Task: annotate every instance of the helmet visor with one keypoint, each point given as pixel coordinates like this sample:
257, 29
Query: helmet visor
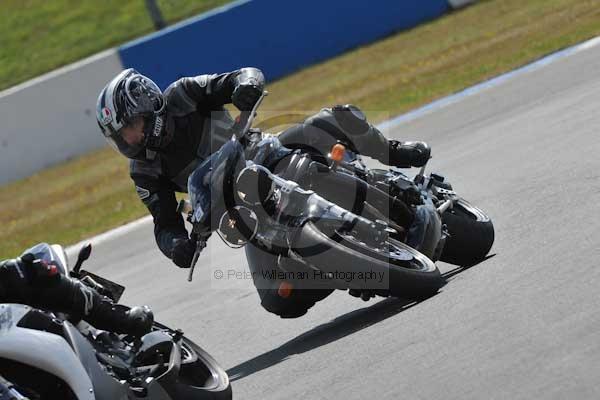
134, 145
119, 144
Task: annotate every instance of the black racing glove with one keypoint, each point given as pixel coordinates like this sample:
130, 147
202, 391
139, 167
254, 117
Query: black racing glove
249, 85
182, 252
139, 321
408, 154
245, 97
102, 313
421, 153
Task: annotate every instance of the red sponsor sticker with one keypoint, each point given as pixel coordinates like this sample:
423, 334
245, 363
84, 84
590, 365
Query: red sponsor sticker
106, 116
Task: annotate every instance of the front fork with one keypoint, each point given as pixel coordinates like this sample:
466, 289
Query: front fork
430, 187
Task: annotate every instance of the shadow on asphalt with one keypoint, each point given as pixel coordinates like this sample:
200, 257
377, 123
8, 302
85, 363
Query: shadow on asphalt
452, 273
338, 328
323, 334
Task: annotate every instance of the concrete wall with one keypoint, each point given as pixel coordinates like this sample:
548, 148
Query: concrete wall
460, 3
277, 36
52, 118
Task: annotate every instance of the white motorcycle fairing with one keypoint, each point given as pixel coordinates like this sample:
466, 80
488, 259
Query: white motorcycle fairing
42, 350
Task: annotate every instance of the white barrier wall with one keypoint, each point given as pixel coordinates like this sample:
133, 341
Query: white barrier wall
460, 3
51, 119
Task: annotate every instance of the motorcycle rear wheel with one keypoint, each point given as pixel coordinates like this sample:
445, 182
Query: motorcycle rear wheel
471, 235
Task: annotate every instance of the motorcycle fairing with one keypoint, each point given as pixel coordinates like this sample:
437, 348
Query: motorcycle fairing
52, 254
210, 185
42, 350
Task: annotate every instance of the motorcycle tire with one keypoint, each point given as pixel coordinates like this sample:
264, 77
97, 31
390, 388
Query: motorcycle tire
200, 376
410, 274
471, 235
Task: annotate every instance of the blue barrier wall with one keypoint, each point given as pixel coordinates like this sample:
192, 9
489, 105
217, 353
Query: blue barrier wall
277, 36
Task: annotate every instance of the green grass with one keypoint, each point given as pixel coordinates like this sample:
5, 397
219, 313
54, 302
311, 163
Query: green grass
37, 36
93, 193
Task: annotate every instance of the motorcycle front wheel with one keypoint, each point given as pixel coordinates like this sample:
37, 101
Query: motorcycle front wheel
406, 272
200, 376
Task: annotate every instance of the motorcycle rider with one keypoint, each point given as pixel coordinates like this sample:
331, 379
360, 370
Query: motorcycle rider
34, 282
166, 136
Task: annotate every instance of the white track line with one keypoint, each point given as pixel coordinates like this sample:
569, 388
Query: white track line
483, 86
394, 122
111, 234
58, 72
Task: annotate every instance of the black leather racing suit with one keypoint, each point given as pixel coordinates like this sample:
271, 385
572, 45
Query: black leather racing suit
33, 282
199, 126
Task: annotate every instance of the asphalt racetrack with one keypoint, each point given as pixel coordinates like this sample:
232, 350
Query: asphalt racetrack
524, 324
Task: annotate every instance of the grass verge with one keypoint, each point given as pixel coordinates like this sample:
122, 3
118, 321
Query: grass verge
92, 194
38, 35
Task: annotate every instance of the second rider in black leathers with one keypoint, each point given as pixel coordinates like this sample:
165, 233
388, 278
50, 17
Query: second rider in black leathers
167, 135
33, 282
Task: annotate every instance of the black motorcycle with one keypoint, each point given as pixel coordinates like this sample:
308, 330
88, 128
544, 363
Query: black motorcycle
329, 220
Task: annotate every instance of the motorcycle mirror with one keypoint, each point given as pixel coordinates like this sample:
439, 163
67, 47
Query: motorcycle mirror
83, 255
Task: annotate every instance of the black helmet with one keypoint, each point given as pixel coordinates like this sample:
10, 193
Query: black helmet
128, 96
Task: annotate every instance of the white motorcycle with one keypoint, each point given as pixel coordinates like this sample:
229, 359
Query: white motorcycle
43, 355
